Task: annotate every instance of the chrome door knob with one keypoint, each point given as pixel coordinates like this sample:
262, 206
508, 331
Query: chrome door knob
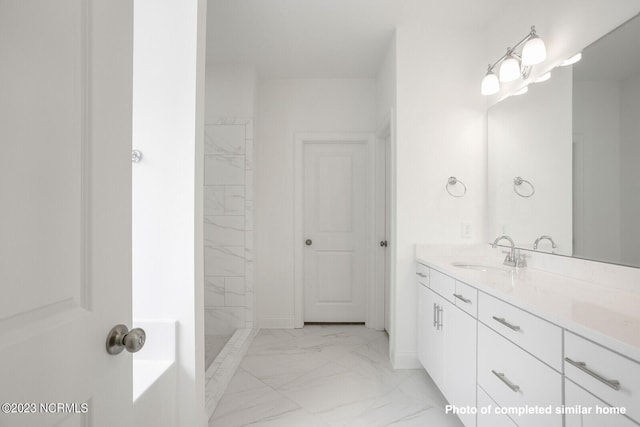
120, 337
308, 242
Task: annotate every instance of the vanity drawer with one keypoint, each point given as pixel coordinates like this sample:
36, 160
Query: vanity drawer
492, 418
537, 336
583, 401
596, 368
443, 285
466, 298
515, 379
422, 274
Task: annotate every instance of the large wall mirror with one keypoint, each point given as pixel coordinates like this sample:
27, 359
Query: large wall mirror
564, 158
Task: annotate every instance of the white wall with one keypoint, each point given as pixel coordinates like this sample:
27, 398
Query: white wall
630, 155
566, 28
530, 136
285, 107
230, 92
168, 111
386, 85
440, 133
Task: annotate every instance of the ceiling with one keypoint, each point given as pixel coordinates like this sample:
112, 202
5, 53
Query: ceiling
613, 57
326, 38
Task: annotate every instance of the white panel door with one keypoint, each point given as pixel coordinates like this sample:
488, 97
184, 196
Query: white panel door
335, 225
65, 211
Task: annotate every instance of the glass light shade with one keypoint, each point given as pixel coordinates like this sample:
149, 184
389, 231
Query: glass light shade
533, 52
575, 58
509, 70
490, 84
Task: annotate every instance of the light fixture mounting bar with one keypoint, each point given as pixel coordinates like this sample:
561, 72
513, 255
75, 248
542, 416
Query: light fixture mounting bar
512, 50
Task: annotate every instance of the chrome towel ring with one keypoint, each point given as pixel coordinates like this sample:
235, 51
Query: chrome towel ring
451, 182
517, 182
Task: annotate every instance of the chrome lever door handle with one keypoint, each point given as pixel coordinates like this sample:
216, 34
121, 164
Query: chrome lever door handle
120, 338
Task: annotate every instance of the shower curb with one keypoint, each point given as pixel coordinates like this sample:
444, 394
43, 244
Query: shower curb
219, 373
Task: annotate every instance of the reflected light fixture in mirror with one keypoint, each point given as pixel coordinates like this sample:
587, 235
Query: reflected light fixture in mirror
522, 91
543, 78
575, 58
514, 65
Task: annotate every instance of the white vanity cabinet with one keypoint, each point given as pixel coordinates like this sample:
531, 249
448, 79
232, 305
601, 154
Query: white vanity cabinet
447, 342
486, 350
514, 378
460, 360
430, 337
611, 377
489, 417
581, 409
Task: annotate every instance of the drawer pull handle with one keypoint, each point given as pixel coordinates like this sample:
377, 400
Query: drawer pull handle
614, 384
421, 274
435, 314
462, 298
505, 323
504, 379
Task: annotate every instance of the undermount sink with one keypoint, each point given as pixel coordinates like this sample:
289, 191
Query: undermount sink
480, 267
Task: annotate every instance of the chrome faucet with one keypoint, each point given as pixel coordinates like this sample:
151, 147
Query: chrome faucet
544, 237
513, 257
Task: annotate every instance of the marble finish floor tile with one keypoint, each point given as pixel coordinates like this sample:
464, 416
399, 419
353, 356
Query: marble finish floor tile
328, 376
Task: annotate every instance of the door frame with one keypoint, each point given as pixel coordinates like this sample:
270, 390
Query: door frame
372, 318
383, 222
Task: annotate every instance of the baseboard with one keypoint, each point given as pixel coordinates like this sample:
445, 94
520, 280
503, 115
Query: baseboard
405, 361
276, 322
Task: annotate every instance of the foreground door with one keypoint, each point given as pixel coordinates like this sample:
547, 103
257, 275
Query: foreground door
335, 223
65, 211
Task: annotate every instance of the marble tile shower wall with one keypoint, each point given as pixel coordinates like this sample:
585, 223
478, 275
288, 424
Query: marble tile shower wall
228, 226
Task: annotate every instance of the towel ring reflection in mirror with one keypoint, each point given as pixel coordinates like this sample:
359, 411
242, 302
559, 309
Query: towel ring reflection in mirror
451, 182
136, 156
517, 182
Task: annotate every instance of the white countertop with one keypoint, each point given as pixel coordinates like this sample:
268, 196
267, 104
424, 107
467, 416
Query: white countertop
608, 314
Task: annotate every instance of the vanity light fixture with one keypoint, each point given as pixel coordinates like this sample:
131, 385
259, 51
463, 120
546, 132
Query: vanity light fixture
510, 69
570, 61
514, 65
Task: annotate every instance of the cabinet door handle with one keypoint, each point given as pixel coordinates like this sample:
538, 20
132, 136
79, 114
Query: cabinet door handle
435, 315
504, 379
462, 298
440, 310
420, 274
614, 384
505, 323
